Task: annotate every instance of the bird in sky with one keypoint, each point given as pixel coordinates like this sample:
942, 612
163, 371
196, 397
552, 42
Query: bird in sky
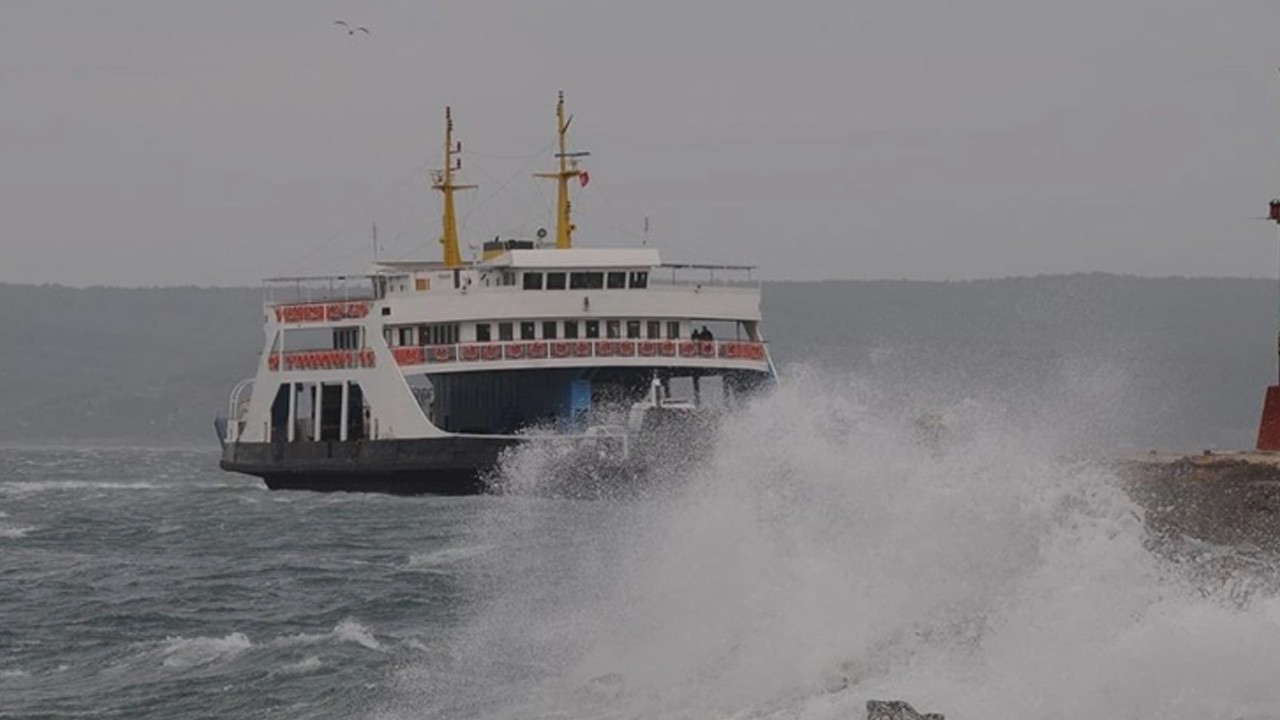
351, 30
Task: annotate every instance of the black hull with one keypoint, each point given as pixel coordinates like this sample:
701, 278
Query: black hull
435, 466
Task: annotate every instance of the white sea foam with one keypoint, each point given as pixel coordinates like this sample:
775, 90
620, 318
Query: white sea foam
13, 532
348, 630
180, 652
826, 556
14, 674
351, 631
305, 666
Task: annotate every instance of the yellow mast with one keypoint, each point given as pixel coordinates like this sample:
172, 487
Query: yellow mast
443, 181
568, 169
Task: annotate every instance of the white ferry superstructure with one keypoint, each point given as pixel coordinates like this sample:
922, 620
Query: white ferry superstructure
415, 376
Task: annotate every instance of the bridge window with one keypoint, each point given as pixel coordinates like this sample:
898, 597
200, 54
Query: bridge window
653, 331
570, 329
586, 280
673, 330
483, 333
593, 329
555, 281
633, 329
406, 336
617, 280
504, 332
613, 329
533, 281
639, 280
527, 331
549, 330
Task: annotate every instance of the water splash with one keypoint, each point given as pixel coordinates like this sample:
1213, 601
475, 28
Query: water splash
823, 555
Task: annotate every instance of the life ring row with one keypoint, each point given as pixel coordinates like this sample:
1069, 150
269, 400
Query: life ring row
322, 312
742, 351
321, 360
565, 349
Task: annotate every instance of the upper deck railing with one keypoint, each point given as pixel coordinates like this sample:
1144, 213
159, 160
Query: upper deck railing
318, 289
685, 274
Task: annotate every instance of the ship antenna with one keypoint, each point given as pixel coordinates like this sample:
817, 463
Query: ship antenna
443, 181
568, 169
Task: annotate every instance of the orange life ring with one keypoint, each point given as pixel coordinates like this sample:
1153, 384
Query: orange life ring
648, 348
470, 353
604, 348
560, 349
537, 350
515, 351
491, 352
625, 348
582, 348
668, 348
688, 349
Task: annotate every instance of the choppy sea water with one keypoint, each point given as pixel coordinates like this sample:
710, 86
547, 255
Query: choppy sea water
821, 557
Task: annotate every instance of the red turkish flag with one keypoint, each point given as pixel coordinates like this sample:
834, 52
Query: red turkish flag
584, 178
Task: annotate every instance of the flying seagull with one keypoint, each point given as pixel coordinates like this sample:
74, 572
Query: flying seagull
350, 30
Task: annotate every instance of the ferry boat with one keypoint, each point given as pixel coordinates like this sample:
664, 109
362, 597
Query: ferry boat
416, 376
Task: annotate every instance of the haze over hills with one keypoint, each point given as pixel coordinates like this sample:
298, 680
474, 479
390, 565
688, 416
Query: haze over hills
1168, 362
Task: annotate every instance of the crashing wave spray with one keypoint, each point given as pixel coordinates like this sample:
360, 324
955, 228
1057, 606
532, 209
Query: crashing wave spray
822, 556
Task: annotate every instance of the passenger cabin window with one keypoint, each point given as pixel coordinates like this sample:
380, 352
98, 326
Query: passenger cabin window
482, 332
508, 277
586, 280
504, 332
439, 334
570, 329
549, 330
613, 329
673, 330
406, 336
593, 329
555, 281
639, 280
653, 330
533, 281
633, 329
527, 331
617, 280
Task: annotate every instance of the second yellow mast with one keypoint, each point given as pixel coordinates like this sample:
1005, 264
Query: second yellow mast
568, 169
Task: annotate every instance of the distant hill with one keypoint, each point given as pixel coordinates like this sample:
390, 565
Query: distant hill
1170, 362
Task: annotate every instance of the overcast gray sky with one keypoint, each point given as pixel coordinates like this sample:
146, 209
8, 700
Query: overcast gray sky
172, 142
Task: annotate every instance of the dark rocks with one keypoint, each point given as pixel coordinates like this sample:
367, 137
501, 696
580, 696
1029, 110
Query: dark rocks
896, 710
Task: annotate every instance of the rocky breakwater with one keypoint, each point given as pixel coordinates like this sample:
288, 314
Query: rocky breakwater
1226, 498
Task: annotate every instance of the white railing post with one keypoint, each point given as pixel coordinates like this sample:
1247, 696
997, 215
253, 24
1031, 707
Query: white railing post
346, 404
291, 432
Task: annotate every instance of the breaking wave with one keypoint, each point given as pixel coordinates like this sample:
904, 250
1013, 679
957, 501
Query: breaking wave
831, 549
180, 652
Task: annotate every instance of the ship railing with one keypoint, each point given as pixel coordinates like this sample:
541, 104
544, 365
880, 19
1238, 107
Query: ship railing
520, 350
690, 274
318, 289
568, 350
238, 408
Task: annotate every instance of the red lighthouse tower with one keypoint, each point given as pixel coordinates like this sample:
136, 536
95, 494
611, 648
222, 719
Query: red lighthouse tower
1269, 428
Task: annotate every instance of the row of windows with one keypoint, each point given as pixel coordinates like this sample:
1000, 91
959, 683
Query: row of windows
574, 329
589, 280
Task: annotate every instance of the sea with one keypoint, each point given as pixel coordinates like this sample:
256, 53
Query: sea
822, 554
